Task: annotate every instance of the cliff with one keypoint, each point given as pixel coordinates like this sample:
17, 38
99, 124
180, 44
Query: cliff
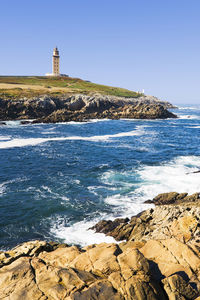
80, 107
58, 99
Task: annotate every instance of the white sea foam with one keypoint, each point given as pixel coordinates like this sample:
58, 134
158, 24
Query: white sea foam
129, 195
127, 206
73, 123
13, 123
35, 141
103, 165
17, 123
22, 142
79, 234
186, 117
5, 184
98, 120
5, 138
45, 191
127, 119
84, 122
76, 181
95, 189
2, 188
173, 176
64, 199
48, 132
46, 188
189, 107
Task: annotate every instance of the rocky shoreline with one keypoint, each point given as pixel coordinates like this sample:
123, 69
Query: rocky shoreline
46, 109
158, 258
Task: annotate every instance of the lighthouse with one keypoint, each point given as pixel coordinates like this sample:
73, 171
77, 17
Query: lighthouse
55, 63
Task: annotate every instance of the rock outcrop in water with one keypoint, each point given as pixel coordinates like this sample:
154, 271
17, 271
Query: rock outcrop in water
81, 107
179, 220
160, 260
175, 198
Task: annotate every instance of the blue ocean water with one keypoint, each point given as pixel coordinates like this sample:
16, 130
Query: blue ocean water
57, 180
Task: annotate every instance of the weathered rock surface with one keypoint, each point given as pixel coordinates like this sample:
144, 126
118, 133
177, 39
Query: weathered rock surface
176, 288
140, 111
175, 198
156, 269
81, 107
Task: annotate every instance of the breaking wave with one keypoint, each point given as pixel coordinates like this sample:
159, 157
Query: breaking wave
19, 142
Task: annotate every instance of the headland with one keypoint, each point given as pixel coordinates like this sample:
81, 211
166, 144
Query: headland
63, 99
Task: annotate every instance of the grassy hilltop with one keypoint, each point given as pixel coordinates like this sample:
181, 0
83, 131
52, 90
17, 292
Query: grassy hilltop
29, 86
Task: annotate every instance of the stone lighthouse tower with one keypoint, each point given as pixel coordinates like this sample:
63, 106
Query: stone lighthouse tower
56, 64
56, 58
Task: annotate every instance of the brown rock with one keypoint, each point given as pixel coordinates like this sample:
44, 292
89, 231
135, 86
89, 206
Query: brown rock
132, 270
132, 262
162, 222
102, 290
177, 288
26, 249
131, 245
100, 259
61, 257
59, 282
171, 256
192, 198
175, 198
17, 281
166, 198
108, 226
81, 107
184, 228
143, 289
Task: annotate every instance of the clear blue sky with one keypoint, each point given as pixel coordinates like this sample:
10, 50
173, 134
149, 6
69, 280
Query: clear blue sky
135, 44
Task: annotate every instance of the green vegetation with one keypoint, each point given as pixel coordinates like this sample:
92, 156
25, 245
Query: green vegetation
21, 93
37, 85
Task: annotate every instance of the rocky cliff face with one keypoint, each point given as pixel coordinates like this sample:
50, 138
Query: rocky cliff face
160, 260
81, 107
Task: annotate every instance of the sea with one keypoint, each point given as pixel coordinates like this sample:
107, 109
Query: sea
58, 180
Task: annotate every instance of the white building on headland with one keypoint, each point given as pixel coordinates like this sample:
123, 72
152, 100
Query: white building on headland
55, 64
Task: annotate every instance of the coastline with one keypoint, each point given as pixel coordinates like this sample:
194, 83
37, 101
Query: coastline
79, 108
159, 260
